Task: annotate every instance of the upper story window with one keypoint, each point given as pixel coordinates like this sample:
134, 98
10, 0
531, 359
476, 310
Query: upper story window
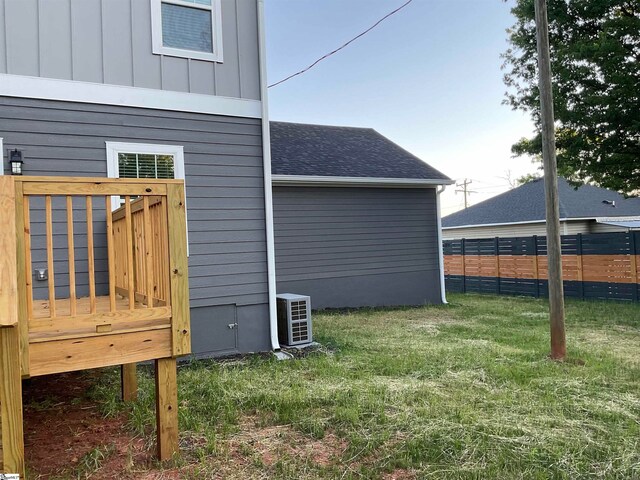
187, 28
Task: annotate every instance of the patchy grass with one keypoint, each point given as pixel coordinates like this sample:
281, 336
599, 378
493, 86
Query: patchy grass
462, 391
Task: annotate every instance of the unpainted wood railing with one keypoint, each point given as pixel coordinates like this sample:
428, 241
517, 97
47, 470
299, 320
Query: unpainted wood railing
115, 295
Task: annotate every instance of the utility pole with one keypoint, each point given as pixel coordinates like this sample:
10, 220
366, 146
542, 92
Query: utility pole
464, 189
554, 252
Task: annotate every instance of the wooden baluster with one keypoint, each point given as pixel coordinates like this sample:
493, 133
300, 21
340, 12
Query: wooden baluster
130, 278
27, 257
51, 281
73, 303
148, 247
91, 255
110, 255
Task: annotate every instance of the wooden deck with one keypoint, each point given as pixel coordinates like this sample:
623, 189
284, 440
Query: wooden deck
145, 315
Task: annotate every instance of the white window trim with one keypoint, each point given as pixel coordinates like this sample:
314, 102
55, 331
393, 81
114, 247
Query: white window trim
113, 166
216, 27
1, 156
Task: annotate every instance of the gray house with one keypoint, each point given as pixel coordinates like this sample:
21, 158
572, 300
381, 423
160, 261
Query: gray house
177, 89
521, 213
356, 218
154, 88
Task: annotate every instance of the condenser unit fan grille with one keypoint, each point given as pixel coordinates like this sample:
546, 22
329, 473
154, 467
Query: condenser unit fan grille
299, 310
300, 331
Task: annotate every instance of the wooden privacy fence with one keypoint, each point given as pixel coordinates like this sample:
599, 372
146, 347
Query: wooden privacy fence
113, 289
594, 266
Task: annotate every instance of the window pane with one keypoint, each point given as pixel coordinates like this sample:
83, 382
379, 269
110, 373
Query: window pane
127, 165
146, 166
165, 166
186, 28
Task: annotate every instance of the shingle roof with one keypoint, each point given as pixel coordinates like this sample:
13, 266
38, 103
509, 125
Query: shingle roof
322, 150
526, 204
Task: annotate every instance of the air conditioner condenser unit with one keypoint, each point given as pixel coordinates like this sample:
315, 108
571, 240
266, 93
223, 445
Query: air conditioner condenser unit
294, 319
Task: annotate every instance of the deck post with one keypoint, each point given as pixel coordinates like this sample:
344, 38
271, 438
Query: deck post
10, 372
11, 402
129, 377
166, 408
179, 275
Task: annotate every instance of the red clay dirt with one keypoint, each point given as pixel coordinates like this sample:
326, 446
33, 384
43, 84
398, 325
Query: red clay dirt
62, 425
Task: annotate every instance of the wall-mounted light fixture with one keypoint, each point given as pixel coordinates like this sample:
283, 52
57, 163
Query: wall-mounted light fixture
41, 274
15, 161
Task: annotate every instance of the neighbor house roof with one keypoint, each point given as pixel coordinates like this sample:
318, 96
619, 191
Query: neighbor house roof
304, 151
526, 204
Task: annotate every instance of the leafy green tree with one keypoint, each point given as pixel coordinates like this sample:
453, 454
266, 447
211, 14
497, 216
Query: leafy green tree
529, 177
595, 54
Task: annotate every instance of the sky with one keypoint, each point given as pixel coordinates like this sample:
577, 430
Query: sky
428, 78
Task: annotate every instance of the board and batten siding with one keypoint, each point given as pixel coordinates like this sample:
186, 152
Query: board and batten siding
225, 203
357, 246
109, 42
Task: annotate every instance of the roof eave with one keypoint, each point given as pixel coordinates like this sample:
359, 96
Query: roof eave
327, 181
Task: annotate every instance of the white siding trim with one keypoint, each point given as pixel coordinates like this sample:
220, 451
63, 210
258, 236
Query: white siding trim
216, 24
96, 93
268, 192
1, 156
307, 180
443, 292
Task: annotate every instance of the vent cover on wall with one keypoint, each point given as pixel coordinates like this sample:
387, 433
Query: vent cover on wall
294, 319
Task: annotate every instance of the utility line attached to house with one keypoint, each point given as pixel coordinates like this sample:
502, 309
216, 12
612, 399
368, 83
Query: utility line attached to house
343, 46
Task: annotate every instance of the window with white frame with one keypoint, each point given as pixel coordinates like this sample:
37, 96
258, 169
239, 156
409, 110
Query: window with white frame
145, 160
187, 28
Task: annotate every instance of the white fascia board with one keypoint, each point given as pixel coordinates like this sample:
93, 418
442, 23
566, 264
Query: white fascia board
268, 194
96, 93
308, 180
516, 223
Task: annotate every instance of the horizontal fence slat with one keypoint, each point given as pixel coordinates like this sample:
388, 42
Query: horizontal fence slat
595, 266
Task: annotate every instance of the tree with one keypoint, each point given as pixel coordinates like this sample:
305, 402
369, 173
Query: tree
529, 177
595, 52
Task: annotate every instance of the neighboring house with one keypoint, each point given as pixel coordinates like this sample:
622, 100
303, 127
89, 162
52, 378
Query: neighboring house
154, 88
356, 218
521, 212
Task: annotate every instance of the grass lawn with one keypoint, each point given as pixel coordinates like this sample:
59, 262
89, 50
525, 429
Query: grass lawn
462, 391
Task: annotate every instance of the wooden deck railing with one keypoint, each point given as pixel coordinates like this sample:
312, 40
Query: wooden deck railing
147, 257
90, 315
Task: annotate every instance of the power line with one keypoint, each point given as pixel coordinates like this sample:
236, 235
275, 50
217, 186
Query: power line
343, 46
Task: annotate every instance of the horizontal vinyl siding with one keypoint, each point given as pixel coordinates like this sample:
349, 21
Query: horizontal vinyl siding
224, 178
109, 41
595, 227
522, 230
325, 235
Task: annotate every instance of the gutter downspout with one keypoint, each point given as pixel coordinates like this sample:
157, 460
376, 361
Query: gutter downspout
268, 194
443, 294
